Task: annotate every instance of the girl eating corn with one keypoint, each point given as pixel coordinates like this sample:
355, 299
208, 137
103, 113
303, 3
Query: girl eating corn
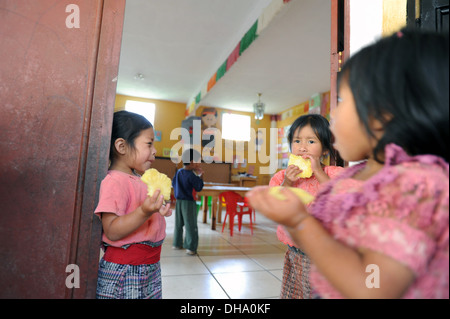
133, 222
381, 228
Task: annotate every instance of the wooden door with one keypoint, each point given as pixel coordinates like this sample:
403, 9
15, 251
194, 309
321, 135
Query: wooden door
58, 70
428, 14
340, 43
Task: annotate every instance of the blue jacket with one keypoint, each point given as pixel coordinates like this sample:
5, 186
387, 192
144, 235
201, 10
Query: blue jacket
184, 182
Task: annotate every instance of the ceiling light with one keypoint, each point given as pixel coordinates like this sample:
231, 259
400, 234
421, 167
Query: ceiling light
258, 108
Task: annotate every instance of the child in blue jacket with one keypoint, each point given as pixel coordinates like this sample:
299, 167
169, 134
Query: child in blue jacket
185, 181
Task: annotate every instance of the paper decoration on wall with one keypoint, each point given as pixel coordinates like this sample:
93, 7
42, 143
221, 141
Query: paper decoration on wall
166, 152
286, 130
268, 14
158, 136
190, 108
236, 161
284, 146
233, 56
314, 110
259, 140
209, 129
249, 37
286, 114
325, 107
188, 124
300, 109
212, 81
315, 104
221, 71
280, 132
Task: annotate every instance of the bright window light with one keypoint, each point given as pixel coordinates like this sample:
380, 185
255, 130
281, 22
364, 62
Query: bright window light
143, 108
236, 127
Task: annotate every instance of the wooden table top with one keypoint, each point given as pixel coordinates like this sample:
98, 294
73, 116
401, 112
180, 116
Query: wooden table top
223, 188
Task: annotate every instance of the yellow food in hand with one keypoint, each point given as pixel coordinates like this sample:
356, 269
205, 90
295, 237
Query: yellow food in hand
156, 180
303, 163
304, 195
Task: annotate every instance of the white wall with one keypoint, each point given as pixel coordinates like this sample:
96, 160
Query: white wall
366, 23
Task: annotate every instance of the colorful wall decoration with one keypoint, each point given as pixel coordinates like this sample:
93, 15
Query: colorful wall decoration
260, 24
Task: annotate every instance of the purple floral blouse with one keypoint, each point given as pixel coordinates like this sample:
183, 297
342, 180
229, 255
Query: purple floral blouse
401, 212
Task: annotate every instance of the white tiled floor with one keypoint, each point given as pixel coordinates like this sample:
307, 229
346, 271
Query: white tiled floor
239, 267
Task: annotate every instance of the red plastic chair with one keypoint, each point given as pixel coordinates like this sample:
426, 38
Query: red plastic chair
235, 206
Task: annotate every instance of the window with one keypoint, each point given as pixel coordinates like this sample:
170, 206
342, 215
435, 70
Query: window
236, 127
143, 108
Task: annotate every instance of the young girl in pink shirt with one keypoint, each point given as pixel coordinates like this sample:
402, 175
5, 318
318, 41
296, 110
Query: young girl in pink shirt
380, 229
133, 223
309, 137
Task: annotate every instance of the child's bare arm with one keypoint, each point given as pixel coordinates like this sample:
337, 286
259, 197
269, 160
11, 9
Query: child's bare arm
346, 268
343, 266
117, 227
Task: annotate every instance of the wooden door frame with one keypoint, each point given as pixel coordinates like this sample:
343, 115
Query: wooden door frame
60, 78
337, 58
86, 235
340, 10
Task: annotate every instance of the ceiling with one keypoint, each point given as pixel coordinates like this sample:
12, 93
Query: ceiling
177, 45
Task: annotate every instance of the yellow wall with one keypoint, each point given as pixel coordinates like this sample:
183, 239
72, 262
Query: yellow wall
394, 16
248, 146
168, 116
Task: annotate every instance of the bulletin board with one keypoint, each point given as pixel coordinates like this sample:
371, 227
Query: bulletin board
217, 172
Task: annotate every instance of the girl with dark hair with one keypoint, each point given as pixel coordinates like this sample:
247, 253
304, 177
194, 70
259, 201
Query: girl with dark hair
381, 228
309, 137
133, 223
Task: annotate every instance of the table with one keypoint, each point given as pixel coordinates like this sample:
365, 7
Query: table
214, 192
244, 181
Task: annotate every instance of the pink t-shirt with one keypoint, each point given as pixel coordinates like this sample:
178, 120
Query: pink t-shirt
121, 194
401, 212
311, 185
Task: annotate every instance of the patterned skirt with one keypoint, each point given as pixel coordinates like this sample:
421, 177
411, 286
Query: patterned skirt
296, 268
116, 281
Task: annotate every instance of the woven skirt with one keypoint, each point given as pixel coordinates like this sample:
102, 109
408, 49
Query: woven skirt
116, 281
296, 268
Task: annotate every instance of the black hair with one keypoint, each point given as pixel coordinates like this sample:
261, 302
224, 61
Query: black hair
190, 155
321, 128
403, 81
127, 125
